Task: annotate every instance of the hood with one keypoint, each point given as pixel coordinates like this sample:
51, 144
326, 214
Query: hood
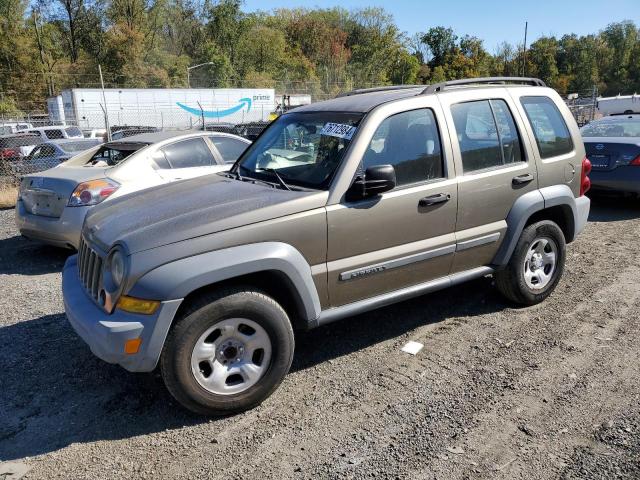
186, 209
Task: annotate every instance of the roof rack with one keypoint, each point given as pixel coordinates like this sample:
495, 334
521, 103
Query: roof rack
378, 89
439, 87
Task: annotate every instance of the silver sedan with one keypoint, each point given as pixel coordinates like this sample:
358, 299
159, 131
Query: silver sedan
52, 204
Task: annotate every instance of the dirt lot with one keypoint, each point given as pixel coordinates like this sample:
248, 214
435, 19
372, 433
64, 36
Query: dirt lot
551, 391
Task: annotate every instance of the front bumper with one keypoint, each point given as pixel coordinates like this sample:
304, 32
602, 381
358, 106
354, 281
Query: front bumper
621, 179
106, 334
60, 232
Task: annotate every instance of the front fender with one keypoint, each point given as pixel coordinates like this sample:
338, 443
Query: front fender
179, 278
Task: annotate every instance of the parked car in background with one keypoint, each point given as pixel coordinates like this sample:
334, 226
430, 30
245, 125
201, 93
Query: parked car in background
57, 132
51, 154
14, 127
13, 149
52, 204
613, 146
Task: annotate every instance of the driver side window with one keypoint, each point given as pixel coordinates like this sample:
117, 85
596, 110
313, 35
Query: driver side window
409, 141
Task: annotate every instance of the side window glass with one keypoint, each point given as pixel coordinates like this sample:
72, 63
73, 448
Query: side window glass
477, 135
507, 132
410, 142
160, 160
188, 153
551, 132
229, 148
487, 134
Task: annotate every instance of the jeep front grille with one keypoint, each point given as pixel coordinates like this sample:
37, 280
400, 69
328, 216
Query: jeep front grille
89, 269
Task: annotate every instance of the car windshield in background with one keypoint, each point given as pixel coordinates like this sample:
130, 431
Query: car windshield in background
303, 149
75, 147
113, 155
612, 128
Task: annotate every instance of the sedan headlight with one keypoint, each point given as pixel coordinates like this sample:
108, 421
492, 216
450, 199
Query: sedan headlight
92, 192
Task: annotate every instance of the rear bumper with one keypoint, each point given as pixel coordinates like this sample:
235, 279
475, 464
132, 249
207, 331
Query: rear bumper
583, 205
620, 179
61, 232
106, 334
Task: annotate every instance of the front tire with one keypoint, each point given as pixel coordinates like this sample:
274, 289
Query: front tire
227, 352
536, 265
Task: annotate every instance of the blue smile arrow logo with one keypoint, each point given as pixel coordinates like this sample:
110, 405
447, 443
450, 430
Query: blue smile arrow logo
218, 113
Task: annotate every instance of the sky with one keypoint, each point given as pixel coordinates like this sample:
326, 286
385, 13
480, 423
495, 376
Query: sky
493, 21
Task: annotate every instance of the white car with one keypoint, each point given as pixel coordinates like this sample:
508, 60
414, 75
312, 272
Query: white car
52, 204
14, 127
57, 132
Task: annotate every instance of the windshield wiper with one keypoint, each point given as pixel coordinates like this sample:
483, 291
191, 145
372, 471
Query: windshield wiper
275, 174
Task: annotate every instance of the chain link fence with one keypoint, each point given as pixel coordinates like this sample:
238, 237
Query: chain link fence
583, 105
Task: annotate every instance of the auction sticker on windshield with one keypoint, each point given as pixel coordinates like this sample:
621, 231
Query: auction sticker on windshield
339, 130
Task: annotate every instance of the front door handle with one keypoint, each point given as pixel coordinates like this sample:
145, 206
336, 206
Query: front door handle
434, 199
522, 179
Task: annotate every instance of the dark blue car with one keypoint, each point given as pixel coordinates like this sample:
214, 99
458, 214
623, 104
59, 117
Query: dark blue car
613, 147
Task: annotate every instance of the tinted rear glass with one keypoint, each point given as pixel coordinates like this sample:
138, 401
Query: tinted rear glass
612, 128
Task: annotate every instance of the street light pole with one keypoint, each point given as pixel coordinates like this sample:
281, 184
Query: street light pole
191, 68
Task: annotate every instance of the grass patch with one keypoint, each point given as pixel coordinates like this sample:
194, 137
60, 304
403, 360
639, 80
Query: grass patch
8, 196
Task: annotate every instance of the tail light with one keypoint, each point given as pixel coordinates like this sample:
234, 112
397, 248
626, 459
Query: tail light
585, 183
92, 192
9, 152
635, 162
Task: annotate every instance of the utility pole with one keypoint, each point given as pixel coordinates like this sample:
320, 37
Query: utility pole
524, 51
106, 110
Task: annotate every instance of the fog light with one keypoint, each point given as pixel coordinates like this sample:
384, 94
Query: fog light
137, 305
132, 346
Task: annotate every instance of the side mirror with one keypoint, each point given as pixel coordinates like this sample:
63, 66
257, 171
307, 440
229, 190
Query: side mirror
377, 179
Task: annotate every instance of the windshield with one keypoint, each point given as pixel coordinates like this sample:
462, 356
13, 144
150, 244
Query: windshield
612, 128
304, 149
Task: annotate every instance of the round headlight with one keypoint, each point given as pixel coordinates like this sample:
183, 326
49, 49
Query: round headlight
116, 267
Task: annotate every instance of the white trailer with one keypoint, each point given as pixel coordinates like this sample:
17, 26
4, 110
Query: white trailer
55, 110
619, 104
166, 107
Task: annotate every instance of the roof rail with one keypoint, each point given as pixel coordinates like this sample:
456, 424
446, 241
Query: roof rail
439, 87
378, 89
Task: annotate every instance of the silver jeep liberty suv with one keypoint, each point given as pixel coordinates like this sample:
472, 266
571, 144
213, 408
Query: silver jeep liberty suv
339, 207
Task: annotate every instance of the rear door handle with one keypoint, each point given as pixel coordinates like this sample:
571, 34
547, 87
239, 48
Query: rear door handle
434, 199
522, 179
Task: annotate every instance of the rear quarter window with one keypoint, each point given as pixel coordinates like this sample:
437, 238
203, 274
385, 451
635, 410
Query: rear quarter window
549, 128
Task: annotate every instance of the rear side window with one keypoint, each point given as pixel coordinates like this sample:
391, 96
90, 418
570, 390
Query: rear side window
54, 134
487, 134
229, 148
549, 128
410, 142
188, 154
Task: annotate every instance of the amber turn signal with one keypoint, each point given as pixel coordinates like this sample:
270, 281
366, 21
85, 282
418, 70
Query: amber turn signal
132, 346
137, 305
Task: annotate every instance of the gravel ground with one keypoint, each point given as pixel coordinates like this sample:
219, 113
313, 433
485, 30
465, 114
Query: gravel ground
551, 391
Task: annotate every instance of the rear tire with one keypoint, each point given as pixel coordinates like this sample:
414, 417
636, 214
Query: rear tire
536, 264
227, 352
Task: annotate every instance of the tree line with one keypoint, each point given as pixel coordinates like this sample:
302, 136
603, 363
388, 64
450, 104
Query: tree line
50, 45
